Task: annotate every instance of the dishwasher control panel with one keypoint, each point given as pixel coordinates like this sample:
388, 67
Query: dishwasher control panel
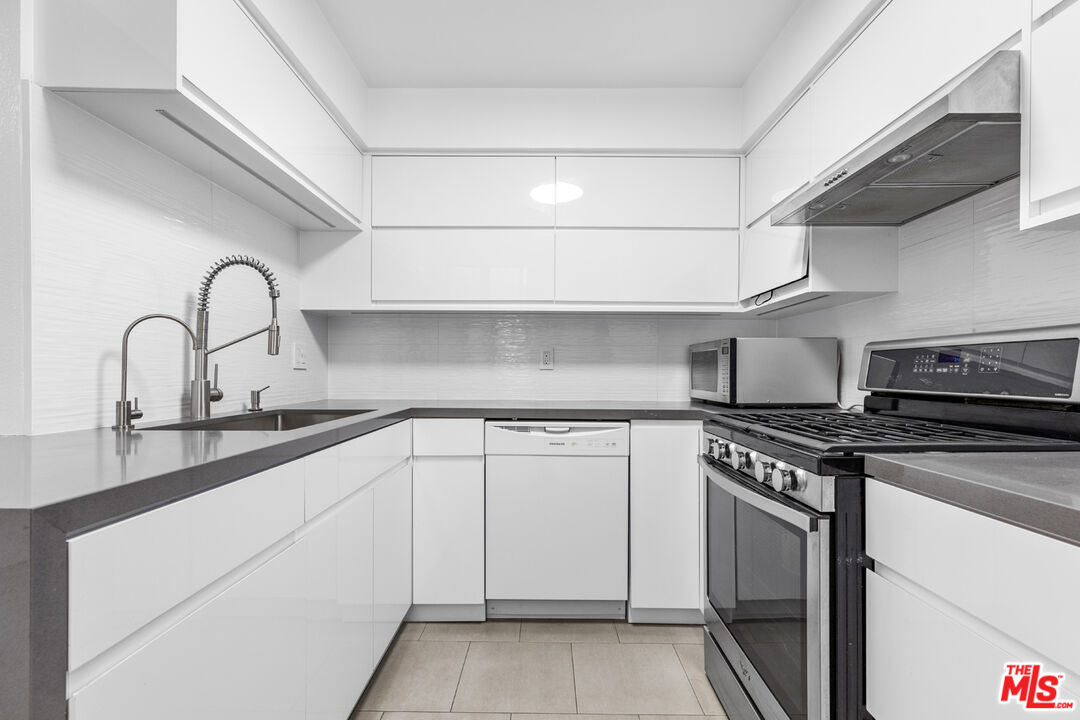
518, 437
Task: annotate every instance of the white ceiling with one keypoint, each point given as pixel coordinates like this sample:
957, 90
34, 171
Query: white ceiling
557, 43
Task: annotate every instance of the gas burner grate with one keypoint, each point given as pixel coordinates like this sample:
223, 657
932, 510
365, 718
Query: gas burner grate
839, 431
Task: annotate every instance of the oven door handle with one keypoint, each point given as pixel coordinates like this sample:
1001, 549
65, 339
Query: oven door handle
806, 523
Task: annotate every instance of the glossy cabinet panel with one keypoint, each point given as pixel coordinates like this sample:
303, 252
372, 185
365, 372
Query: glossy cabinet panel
650, 192
879, 77
457, 191
335, 473
440, 436
242, 655
392, 575
779, 164
770, 257
452, 265
339, 553
126, 574
1052, 177
647, 266
665, 515
448, 530
960, 555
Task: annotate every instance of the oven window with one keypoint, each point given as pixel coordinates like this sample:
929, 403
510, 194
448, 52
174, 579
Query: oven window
757, 584
703, 370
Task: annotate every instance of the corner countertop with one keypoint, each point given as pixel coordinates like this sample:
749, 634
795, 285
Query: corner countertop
84, 479
1034, 491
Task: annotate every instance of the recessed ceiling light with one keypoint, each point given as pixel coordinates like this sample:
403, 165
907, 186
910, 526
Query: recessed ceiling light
552, 193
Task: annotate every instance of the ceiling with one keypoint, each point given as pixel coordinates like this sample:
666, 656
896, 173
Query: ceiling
557, 43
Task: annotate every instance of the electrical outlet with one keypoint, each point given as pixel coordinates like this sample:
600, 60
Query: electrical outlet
299, 357
547, 359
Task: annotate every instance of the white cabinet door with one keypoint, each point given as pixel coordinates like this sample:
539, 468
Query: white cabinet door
476, 264
958, 555
650, 192
228, 59
647, 266
909, 52
665, 519
770, 257
780, 164
242, 655
923, 663
1054, 102
126, 574
448, 529
416, 191
340, 620
393, 555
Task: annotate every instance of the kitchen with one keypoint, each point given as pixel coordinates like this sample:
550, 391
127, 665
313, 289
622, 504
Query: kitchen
397, 185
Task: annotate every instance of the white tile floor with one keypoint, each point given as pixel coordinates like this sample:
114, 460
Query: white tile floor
542, 670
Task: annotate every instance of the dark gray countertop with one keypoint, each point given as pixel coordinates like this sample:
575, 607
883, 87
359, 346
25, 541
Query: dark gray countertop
1036, 491
85, 478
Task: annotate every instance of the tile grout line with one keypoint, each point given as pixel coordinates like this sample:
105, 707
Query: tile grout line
573, 677
461, 672
688, 678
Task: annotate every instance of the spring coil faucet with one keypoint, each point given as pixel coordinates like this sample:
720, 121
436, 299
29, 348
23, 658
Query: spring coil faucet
203, 392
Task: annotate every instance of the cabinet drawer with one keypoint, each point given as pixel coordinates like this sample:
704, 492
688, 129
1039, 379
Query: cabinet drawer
476, 264
650, 192
125, 575
448, 437
336, 472
227, 58
652, 266
921, 663
1020, 582
460, 191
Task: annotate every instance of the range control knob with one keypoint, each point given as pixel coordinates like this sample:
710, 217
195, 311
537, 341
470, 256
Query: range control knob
713, 449
762, 468
785, 478
739, 459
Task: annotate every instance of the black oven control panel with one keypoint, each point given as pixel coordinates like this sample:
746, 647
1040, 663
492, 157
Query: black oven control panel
1042, 368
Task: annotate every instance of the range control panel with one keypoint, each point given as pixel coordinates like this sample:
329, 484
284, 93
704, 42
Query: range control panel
1040, 368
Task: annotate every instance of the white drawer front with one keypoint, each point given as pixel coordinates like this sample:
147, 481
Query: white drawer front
335, 473
1020, 582
448, 437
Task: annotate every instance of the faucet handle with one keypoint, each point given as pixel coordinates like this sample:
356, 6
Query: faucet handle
215, 392
135, 412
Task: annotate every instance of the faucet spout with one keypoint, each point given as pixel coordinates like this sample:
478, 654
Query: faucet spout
125, 414
202, 392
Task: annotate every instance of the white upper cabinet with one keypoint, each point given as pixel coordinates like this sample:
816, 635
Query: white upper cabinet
779, 164
202, 82
416, 191
1051, 185
771, 257
647, 266
647, 192
910, 50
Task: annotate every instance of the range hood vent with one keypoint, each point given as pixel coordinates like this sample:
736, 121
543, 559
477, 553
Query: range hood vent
966, 142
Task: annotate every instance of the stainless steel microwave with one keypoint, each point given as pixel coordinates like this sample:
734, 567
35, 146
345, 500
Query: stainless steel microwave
765, 371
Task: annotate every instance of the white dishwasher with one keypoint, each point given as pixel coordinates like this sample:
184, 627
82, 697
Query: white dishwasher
557, 520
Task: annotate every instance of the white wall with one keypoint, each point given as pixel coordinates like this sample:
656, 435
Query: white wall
14, 229
814, 34
118, 231
554, 119
965, 268
497, 355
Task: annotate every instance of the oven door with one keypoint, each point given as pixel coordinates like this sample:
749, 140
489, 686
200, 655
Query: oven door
768, 594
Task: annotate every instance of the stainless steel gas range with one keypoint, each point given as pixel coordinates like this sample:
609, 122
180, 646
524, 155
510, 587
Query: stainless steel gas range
785, 568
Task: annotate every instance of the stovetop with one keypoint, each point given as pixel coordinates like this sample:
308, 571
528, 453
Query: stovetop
831, 432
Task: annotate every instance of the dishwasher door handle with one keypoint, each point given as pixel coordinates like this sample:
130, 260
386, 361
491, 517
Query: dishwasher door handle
557, 430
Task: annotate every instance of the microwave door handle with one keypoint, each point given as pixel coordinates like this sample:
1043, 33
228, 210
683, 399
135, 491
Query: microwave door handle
804, 522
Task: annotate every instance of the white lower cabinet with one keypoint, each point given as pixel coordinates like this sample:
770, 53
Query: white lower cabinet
340, 618
665, 522
239, 656
448, 519
393, 556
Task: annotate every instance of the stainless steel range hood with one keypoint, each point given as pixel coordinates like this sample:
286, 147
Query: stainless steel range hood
964, 143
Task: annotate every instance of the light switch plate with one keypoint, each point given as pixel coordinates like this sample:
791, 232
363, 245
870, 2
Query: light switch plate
299, 357
547, 359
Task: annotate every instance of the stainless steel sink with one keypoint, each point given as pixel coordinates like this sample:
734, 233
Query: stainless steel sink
272, 420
